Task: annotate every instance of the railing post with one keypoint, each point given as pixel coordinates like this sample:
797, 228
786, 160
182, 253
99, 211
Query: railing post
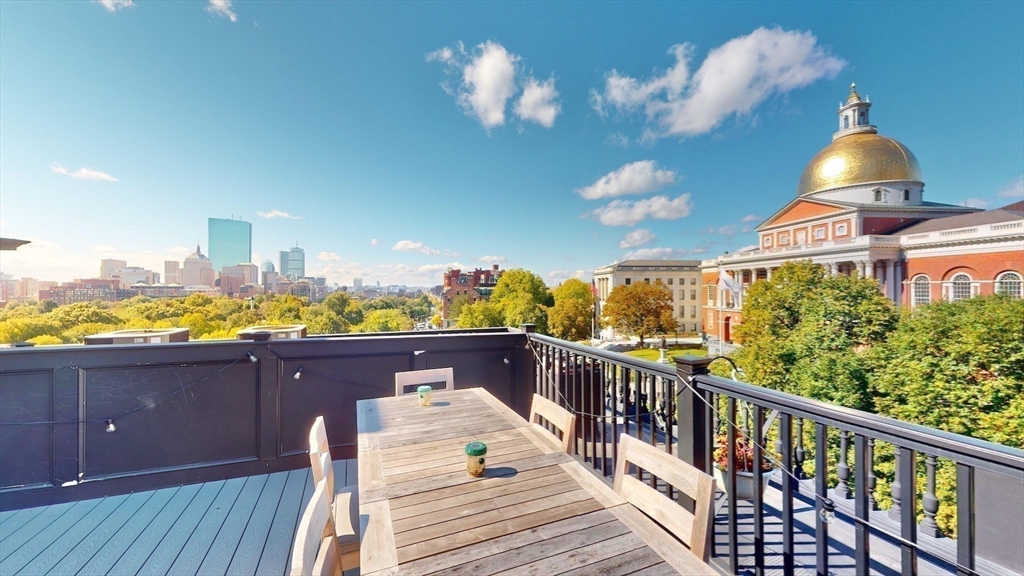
842, 489
799, 456
929, 501
896, 487
872, 479
694, 432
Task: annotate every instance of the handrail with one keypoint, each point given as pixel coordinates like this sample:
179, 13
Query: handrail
978, 453
624, 360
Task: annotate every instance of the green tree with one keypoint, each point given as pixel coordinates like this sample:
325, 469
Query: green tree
22, 329
322, 320
456, 306
390, 320
82, 313
570, 318
46, 340
286, 309
523, 298
480, 314
640, 309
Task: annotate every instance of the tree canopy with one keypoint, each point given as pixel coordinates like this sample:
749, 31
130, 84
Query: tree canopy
570, 318
641, 309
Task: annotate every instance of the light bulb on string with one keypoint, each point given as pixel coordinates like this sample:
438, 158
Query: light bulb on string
298, 374
828, 511
252, 358
110, 426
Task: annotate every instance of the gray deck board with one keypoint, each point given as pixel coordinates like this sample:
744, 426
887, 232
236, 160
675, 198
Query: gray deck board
142, 548
194, 551
17, 559
218, 558
78, 556
49, 557
250, 546
171, 544
16, 519
46, 516
274, 559
105, 558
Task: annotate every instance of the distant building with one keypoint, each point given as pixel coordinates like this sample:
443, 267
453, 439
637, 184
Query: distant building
475, 285
135, 275
107, 267
357, 283
28, 288
232, 278
267, 266
198, 270
87, 290
230, 242
172, 272
860, 210
293, 263
681, 277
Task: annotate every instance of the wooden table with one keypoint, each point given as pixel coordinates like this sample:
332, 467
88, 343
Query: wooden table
536, 510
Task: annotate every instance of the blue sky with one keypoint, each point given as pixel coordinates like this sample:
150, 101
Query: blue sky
393, 140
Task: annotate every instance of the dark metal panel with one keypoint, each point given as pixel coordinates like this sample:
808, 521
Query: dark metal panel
965, 534
187, 415
999, 520
862, 539
25, 451
907, 475
821, 490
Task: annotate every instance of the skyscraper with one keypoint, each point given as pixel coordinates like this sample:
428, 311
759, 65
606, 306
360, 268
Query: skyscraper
107, 267
293, 263
230, 242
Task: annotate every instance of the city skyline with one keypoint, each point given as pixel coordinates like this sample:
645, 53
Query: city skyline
396, 150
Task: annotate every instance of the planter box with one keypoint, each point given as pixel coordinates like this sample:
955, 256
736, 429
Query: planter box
744, 483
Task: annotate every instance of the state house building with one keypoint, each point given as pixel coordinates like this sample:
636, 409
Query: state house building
860, 209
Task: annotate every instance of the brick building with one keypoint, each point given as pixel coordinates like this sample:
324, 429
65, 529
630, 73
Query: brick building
474, 285
860, 209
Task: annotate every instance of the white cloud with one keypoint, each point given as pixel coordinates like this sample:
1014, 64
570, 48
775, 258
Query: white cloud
485, 80
1013, 190
373, 242
500, 260
559, 276
634, 178
727, 230
626, 213
222, 8
537, 104
328, 257
637, 238
733, 80
452, 253
410, 246
114, 5
617, 139
750, 218
748, 248
82, 173
104, 249
275, 213
440, 268
975, 203
662, 253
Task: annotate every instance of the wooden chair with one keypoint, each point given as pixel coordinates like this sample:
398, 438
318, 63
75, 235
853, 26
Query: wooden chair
316, 543
559, 417
344, 502
418, 377
691, 529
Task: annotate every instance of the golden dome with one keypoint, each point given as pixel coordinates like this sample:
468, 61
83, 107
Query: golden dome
858, 159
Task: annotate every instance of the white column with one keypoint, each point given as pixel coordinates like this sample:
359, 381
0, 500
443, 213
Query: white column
890, 279
861, 266
869, 269
833, 268
768, 273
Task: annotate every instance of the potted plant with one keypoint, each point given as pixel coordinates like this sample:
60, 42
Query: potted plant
743, 463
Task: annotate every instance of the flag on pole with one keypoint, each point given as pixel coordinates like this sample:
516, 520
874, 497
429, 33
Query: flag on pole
728, 282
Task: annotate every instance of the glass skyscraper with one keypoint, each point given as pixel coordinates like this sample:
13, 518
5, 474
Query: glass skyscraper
293, 263
230, 242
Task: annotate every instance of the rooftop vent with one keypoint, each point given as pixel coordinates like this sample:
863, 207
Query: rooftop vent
276, 331
144, 336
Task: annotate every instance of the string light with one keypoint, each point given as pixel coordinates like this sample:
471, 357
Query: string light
505, 360
828, 510
110, 426
252, 358
298, 374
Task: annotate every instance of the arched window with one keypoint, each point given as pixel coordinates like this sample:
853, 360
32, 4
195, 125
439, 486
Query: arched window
961, 289
906, 195
878, 195
1009, 283
921, 290
846, 121
861, 120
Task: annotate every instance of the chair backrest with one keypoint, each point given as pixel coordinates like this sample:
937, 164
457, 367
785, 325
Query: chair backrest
691, 529
320, 457
316, 542
559, 417
419, 377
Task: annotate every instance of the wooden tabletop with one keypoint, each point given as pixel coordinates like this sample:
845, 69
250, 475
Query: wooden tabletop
535, 510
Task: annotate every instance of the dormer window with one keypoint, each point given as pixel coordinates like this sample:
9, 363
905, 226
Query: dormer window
768, 241
879, 195
846, 122
906, 195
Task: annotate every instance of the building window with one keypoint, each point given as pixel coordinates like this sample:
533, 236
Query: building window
711, 318
840, 229
784, 239
819, 234
1009, 283
647, 280
693, 294
921, 290
670, 281
801, 237
767, 241
906, 195
711, 293
846, 121
693, 281
878, 195
682, 293
693, 311
682, 312
961, 289
627, 281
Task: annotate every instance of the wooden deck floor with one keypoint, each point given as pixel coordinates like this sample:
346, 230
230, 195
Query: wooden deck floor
237, 526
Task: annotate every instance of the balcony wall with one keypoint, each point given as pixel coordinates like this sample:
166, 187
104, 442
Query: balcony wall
200, 411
